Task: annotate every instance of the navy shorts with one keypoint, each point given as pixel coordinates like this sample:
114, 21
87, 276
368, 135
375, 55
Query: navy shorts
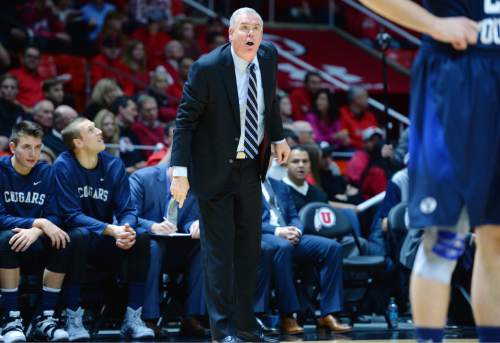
454, 138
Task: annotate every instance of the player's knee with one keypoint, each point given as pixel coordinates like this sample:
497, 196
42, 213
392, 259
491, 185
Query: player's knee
5, 237
438, 254
488, 240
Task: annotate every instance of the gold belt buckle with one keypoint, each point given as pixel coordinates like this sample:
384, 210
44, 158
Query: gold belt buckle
240, 155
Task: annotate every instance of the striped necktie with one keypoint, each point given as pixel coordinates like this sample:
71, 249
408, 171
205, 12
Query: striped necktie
251, 145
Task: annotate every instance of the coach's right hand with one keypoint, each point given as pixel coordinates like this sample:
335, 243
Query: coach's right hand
179, 189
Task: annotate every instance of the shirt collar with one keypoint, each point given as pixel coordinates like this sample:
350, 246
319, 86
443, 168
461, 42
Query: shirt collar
301, 189
241, 64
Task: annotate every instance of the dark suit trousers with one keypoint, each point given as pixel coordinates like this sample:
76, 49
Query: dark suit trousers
230, 227
324, 254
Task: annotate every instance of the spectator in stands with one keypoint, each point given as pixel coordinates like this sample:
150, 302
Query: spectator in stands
158, 89
45, 27
125, 111
174, 51
325, 120
158, 156
367, 170
285, 106
355, 116
108, 63
47, 155
282, 228
185, 64
10, 112
63, 115
214, 40
214, 29
149, 188
135, 63
302, 97
53, 90
304, 131
396, 157
153, 36
43, 114
184, 33
30, 81
298, 167
147, 129
105, 121
142, 11
104, 93
95, 12
340, 193
113, 26
314, 159
93, 193
30, 232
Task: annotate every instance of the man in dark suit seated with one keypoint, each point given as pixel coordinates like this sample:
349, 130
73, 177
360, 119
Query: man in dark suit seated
282, 228
149, 188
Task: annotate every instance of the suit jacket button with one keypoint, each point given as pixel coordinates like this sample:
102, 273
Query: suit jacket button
231, 161
236, 139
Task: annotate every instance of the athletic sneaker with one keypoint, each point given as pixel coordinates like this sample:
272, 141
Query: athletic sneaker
74, 325
133, 326
46, 328
13, 330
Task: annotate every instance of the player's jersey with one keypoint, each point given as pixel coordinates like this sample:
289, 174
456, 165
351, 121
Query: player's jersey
485, 12
92, 198
26, 197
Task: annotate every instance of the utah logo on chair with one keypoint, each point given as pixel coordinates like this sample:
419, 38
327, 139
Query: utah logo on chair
324, 218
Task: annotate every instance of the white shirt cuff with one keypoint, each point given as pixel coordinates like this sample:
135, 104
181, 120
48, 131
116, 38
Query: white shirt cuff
280, 141
192, 225
180, 171
276, 231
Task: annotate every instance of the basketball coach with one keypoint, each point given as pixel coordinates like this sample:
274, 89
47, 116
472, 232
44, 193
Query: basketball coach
227, 122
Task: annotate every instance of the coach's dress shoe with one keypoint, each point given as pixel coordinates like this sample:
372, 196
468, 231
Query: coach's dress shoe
258, 336
289, 326
266, 330
229, 339
192, 327
332, 324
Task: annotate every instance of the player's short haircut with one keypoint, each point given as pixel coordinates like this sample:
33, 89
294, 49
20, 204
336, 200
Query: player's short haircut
243, 10
25, 128
71, 132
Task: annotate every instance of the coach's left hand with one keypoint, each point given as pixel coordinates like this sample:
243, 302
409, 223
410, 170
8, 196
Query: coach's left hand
281, 150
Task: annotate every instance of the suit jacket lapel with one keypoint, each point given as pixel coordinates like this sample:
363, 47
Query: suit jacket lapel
265, 71
230, 82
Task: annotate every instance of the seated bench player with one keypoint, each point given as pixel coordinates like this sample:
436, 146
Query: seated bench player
94, 196
29, 231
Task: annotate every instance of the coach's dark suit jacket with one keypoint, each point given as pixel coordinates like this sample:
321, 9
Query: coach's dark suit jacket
208, 119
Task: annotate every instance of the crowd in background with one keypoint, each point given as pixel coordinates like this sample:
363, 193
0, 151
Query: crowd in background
136, 56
